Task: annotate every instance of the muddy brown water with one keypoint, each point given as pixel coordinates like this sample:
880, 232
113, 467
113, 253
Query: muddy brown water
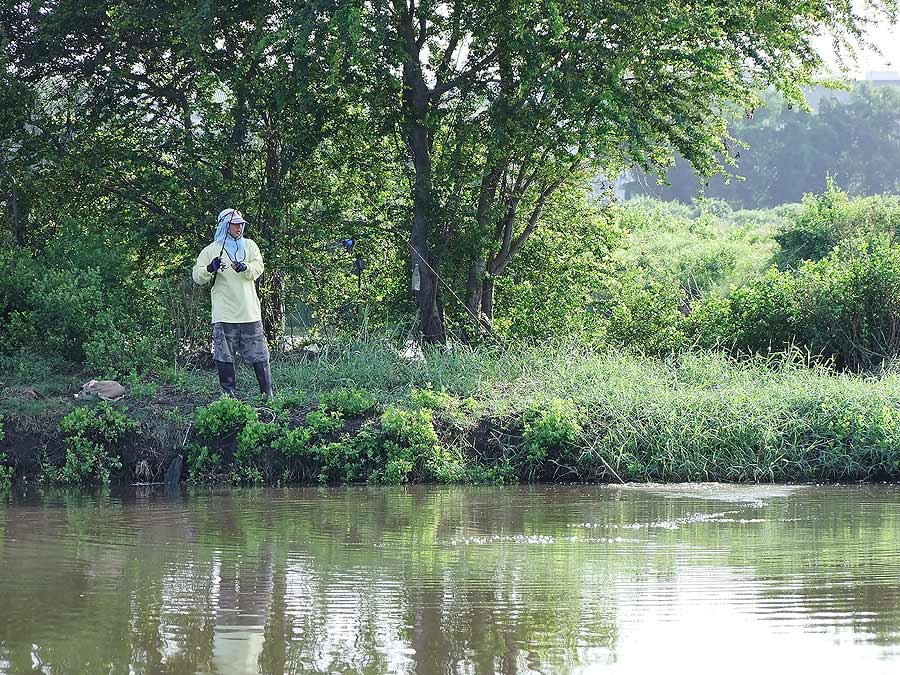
695, 578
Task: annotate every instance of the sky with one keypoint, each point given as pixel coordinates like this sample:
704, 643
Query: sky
886, 37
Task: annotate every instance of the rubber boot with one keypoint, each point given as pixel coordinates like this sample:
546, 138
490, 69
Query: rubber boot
226, 378
264, 377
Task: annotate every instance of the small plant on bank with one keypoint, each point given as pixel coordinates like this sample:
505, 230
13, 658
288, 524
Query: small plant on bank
322, 423
203, 463
350, 402
430, 399
283, 404
252, 442
294, 443
216, 425
6, 472
551, 429
90, 434
446, 406
223, 418
409, 443
140, 387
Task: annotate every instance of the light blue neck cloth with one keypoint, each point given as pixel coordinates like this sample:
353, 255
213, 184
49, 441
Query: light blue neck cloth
235, 248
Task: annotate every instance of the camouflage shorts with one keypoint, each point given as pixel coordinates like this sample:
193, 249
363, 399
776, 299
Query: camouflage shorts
246, 340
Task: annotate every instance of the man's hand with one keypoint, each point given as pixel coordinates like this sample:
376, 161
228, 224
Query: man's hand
214, 265
239, 267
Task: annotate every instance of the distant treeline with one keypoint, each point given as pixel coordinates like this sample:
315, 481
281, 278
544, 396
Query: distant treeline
853, 137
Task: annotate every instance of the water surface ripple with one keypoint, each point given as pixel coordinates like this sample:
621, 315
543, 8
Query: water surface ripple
565, 579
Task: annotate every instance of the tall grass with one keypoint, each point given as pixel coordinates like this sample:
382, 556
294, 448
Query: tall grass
703, 250
692, 416
553, 411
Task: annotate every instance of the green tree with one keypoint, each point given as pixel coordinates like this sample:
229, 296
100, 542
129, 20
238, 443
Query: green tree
171, 111
500, 105
854, 139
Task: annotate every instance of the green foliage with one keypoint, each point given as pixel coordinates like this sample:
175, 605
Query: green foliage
254, 438
289, 401
217, 425
410, 443
6, 472
294, 443
223, 418
550, 288
850, 136
102, 423
140, 387
349, 401
351, 460
430, 399
551, 428
447, 407
83, 314
284, 404
832, 218
90, 435
115, 199
645, 316
204, 464
321, 423
252, 442
844, 307
702, 249
760, 420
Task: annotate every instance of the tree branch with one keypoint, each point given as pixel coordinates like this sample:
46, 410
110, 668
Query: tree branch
441, 89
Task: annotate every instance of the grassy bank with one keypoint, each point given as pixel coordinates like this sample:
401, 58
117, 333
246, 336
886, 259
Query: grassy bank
361, 412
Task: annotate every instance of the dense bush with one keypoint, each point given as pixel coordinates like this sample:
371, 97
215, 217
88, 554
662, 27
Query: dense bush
86, 306
845, 307
702, 248
645, 314
831, 218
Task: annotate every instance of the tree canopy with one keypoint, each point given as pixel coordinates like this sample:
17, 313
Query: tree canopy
789, 152
448, 131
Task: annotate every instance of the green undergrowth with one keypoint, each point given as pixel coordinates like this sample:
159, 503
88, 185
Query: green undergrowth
552, 415
91, 437
545, 412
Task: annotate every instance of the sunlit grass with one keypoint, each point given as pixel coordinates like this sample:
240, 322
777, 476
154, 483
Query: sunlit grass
694, 416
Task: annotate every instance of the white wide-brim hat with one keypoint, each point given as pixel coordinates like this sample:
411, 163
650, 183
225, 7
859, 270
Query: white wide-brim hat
231, 216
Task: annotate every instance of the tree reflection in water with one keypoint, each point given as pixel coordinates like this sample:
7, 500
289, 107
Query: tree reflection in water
427, 580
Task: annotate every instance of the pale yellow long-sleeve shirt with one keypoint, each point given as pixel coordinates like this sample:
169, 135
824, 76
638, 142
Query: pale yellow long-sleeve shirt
234, 298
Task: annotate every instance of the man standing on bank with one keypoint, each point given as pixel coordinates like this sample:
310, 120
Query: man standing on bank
231, 264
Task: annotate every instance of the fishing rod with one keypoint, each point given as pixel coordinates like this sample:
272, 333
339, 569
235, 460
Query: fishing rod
482, 325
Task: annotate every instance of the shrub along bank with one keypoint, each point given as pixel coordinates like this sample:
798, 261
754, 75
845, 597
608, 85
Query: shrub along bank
549, 413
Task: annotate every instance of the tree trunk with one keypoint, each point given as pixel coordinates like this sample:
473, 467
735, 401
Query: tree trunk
486, 201
271, 286
487, 300
15, 214
474, 286
416, 104
271, 292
